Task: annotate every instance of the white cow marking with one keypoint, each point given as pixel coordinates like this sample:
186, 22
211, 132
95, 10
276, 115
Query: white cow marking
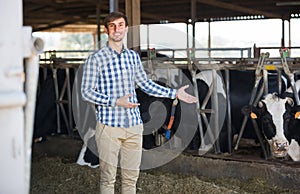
276, 107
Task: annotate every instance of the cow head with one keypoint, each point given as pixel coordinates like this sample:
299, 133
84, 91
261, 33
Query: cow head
274, 115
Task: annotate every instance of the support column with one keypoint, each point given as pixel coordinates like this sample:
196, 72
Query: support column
193, 17
113, 5
133, 12
290, 39
283, 34
98, 42
209, 40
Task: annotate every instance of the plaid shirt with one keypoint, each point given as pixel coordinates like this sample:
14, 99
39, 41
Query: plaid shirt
109, 75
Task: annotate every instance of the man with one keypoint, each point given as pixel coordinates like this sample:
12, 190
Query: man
109, 79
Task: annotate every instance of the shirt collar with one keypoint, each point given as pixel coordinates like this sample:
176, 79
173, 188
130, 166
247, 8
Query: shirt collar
112, 51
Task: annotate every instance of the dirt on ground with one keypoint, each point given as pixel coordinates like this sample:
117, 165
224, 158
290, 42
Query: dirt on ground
54, 170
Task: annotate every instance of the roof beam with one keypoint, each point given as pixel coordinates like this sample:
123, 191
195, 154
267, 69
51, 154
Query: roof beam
160, 17
238, 8
52, 26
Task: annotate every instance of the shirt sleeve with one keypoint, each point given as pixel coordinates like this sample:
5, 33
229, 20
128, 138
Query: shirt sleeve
89, 84
150, 87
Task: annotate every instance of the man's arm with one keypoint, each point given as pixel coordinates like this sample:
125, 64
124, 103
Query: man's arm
157, 90
89, 84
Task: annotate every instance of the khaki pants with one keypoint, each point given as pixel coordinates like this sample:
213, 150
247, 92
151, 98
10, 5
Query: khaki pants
110, 142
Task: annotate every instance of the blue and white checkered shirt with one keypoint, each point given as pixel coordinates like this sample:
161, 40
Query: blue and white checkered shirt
109, 75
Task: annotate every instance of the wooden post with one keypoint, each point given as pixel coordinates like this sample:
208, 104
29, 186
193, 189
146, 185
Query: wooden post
193, 17
133, 12
113, 5
98, 42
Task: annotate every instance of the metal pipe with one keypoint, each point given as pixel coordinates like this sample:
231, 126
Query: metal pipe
209, 40
290, 38
260, 138
215, 116
193, 73
209, 133
193, 17
60, 101
148, 38
31, 83
259, 95
54, 74
187, 37
279, 80
229, 125
265, 79
283, 34
69, 102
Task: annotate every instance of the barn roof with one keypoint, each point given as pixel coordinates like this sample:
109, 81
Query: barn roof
47, 14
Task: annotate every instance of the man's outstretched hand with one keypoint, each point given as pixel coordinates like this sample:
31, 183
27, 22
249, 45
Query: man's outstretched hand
181, 95
185, 97
123, 102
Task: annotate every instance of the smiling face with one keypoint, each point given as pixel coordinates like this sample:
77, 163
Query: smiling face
116, 30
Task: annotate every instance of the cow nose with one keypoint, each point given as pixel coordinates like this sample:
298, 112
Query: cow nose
281, 146
279, 149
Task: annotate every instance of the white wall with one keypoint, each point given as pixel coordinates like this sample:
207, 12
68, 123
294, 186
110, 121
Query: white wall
12, 99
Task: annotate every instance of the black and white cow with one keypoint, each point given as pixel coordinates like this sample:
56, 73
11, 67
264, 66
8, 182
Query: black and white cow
278, 119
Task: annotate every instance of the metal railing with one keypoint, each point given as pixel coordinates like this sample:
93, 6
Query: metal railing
77, 57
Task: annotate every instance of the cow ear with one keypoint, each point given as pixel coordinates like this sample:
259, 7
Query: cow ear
297, 115
253, 115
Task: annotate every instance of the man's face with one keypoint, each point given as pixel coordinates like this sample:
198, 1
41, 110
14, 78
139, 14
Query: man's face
117, 30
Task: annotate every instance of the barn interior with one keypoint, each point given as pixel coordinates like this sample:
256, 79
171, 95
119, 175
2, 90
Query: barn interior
88, 15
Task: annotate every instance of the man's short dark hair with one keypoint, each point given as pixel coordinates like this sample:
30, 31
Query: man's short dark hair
113, 16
